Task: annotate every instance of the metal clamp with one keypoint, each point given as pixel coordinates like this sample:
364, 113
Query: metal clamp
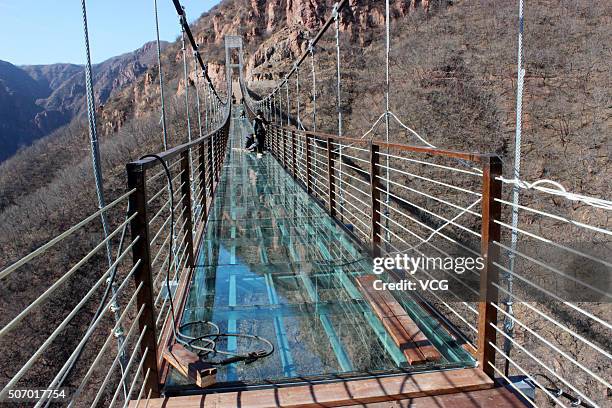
335, 13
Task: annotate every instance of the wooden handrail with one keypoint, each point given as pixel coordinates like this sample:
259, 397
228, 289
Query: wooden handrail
169, 154
323, 137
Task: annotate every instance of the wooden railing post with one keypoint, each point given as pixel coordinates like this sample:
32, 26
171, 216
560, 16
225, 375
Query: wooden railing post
308, 164
490, 233
216, 142
220, 151
375, 231
293, 156
202, 172
330, 178
284, 141
211, 165
186, 193
142, 274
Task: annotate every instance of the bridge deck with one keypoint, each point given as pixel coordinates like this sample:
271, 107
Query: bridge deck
274, 264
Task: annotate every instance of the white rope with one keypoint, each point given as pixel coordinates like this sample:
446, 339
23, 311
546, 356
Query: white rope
422, 139
557, 189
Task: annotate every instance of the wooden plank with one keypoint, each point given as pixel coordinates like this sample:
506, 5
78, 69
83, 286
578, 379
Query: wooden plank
403, 330
498, 397
428, 350
403, 340
337, 394
490, 233
380, 307
190, 366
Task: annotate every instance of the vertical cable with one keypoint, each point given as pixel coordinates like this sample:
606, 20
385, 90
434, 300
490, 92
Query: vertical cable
387, 51
206, 107
161, 80
269, 108
297, 95
183, 22
314, 87
288, 102
195, 208
97, 171
274, 105
508, 321
336, 16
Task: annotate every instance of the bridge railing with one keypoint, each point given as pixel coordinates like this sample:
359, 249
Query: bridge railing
94, 330
171, 229
77, 330
550, 289
437, 204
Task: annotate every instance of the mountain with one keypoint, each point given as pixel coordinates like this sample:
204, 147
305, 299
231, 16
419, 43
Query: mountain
37, 99
453, 76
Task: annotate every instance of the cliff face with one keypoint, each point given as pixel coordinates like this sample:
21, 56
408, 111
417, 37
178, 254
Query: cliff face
37, 99
274, 33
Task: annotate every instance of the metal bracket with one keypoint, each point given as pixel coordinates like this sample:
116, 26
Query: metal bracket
310, 47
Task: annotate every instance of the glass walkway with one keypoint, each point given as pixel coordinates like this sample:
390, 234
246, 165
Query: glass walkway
274, 264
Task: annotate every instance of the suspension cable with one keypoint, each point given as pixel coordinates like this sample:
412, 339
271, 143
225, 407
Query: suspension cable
97, 169
314, 87
508, 321
336, 16
288, 102
161, 80
297, 96
387, 51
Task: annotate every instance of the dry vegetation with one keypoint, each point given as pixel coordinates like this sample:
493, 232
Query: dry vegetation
453, 74
453, 80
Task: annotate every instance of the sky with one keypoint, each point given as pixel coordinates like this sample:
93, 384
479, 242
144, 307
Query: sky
51, 31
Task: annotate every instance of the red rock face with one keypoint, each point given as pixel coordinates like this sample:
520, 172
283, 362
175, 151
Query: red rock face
306, 13
275, 34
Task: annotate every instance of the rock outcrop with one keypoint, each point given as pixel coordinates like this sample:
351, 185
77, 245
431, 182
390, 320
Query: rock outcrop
37, 99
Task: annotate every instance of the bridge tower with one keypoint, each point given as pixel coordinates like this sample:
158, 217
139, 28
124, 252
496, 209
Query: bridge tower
233, 59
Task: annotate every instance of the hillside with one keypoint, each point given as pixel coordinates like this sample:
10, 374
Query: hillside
453, 75
37, 99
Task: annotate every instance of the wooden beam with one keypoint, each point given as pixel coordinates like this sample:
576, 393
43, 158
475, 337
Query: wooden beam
190, 366
339, 393
142, 275
490, 233
403, 330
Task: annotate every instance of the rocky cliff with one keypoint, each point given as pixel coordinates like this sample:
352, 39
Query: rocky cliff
37, 99
274, 33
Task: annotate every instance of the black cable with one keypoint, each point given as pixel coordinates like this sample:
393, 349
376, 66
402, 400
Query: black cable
171, 254
556, 391
180, 10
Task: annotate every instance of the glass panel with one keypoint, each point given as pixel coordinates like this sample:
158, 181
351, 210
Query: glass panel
272, 263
